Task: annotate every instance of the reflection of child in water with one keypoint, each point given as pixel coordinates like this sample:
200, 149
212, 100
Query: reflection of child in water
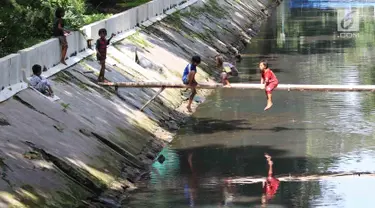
190, 188
227, 194
271, 184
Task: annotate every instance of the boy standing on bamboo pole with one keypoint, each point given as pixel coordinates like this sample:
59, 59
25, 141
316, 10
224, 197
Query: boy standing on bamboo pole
188, 78
268, 81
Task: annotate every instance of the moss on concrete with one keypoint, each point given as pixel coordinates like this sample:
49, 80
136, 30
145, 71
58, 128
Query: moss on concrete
139, 40
32, 155
61, 77
210, 8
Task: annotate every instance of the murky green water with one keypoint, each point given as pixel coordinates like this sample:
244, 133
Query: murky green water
305, 132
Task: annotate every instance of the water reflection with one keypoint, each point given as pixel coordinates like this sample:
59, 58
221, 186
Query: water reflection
305, 132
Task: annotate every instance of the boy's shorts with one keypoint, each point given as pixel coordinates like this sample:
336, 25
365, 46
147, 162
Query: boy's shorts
62, 40
225, 75
186, 81
101, 58
270, 87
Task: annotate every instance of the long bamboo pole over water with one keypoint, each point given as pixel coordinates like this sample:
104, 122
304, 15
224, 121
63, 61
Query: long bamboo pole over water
294, 178
249, 86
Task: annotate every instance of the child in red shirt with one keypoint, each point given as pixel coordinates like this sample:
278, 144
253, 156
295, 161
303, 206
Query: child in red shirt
268, 81
101, 51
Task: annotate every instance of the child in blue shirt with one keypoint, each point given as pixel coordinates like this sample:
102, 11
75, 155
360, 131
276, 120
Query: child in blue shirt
188, 78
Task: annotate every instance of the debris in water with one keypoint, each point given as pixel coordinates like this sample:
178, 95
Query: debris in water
161, 159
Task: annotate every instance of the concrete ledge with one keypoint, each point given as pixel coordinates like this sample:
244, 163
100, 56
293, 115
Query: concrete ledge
70, 62
142, 13
46, 54
9, 70
8, 92
171, 11
147, 23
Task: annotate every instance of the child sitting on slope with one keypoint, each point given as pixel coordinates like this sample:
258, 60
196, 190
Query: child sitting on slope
40, 83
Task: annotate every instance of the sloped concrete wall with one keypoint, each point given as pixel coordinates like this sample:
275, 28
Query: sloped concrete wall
94, 140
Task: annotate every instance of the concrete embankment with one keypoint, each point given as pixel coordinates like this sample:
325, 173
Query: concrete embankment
94, 140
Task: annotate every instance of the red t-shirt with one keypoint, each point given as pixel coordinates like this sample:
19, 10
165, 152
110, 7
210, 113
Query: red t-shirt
269, 76
272, 185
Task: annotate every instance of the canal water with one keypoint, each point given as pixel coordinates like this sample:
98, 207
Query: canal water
304, 132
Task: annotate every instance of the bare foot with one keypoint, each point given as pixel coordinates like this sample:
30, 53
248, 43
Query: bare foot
189, 109
63, 62
227, 86
267, 156
269, 105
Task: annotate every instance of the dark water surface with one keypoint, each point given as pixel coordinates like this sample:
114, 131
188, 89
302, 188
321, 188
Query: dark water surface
305, 132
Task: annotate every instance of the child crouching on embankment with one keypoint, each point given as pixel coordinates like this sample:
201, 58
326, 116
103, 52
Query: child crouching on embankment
226, 69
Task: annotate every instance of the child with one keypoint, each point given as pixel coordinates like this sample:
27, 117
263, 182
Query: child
226, 70
188, 78
268, 82
101, 51
60, 32
271, 184
40, 83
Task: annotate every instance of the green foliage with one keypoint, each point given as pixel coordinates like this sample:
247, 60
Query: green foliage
24, 23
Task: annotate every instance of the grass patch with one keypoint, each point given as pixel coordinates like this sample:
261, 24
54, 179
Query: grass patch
83, 86
62, 78
32, 155
212, 7
86, 66
140, 41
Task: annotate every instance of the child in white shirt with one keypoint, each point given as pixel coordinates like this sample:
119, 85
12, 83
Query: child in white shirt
40, 83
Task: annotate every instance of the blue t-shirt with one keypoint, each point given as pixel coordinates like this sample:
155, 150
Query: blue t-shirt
188, 68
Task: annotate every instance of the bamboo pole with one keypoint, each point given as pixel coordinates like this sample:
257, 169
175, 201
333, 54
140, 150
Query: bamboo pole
251, 180
153, 98
250, 86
